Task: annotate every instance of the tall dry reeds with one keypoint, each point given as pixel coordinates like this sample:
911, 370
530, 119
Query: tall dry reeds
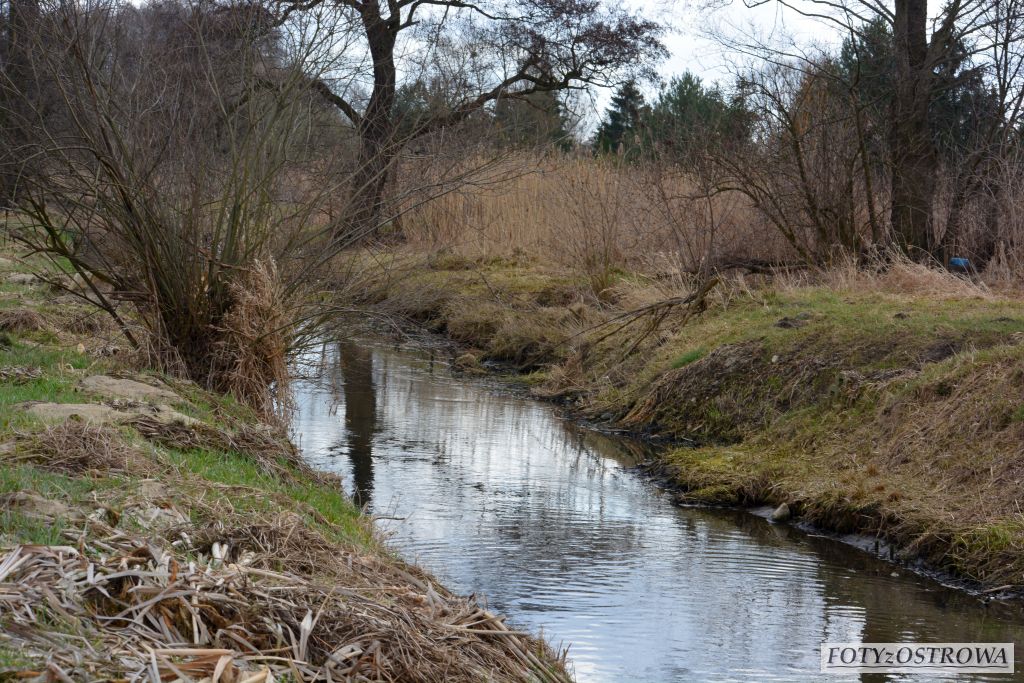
596, 215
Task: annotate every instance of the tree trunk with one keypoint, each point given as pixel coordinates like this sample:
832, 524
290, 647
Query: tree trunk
912, 147
378, 146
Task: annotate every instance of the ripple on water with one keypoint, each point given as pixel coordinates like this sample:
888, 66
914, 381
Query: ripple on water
499, 498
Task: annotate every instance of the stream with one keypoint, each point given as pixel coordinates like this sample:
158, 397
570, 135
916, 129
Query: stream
547, 523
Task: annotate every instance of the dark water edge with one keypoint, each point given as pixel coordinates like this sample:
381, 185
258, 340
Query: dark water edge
550, 523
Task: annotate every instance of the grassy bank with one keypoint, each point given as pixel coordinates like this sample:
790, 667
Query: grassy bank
150, 528
887, 403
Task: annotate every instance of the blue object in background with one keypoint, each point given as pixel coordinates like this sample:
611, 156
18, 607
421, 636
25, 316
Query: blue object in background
959, 265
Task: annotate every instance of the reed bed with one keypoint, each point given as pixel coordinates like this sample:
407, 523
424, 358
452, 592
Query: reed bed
575, 211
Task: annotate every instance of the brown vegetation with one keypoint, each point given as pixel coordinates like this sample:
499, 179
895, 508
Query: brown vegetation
76, 446
266, 598
594, 216
22, 320
873, 400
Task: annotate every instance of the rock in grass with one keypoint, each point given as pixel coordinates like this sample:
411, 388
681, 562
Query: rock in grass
22, 279
36, 507
781, 514
132, 390
99, 413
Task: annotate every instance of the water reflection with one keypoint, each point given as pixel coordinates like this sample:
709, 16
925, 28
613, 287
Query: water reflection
500, 498
360, 401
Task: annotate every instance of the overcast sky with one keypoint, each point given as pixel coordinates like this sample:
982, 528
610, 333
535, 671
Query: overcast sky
692, 23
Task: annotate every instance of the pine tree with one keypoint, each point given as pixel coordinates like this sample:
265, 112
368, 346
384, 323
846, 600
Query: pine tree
622, 128
688, 117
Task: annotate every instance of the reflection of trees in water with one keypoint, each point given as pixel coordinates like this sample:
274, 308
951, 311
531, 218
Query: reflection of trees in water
356, 364
624, 450
925, 611
527, 515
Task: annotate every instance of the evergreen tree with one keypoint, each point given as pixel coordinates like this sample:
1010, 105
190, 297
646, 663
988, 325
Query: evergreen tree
689, 116
539, 119
622, 128
961, 107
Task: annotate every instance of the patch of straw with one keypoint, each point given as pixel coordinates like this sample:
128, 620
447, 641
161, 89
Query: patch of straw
147, 613
77, 446
22, 320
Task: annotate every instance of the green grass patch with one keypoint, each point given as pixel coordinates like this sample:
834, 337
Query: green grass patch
53, 485
687, 358
31, 530
56, 385
233, 469
216, 409
10, 659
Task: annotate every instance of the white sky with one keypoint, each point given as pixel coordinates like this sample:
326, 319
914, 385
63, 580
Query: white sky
691, 24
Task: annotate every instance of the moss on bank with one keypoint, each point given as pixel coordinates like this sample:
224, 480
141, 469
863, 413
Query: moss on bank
888, 403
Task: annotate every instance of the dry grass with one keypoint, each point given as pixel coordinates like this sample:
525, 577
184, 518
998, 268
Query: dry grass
253, 342
264, 445
76, 446
89, 323
591, 214
136, 608
15, 374
23, 320
893, 273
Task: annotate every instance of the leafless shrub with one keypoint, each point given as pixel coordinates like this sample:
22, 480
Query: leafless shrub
176, 215
806, 169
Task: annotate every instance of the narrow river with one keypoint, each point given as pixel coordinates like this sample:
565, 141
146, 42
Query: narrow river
499, 497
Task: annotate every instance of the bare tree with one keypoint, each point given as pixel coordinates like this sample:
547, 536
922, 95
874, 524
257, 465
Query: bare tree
923, 48
515, 49
163, 183
805, 168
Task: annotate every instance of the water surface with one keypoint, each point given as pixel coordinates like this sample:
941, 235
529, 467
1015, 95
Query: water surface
499, 497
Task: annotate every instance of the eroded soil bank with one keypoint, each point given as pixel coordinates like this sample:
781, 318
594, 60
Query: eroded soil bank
888, 403
152, 530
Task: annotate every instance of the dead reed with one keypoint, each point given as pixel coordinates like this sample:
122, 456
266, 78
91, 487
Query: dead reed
570, 211
147, 612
